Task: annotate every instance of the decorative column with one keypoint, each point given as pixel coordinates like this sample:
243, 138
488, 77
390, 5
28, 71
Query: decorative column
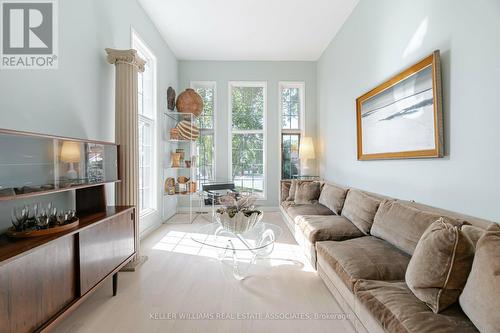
128, 65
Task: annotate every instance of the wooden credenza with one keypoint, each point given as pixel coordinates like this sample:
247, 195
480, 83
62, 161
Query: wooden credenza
42, 279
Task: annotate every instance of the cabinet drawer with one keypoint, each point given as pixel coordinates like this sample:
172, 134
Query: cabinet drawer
103, 247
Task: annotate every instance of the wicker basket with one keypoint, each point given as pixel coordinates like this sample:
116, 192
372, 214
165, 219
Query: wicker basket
189, 101
239, 223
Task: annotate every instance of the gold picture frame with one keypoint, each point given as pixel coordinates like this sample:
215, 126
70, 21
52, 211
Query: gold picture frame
403, 117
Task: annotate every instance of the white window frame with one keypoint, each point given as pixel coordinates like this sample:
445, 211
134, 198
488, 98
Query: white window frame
209, 85
301, 85
263, 131
138, 43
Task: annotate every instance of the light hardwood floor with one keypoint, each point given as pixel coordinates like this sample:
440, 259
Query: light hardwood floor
182, 277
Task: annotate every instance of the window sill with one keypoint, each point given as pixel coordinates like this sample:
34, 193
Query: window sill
147, 212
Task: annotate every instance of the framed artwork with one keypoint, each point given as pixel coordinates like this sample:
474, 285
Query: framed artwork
403, 117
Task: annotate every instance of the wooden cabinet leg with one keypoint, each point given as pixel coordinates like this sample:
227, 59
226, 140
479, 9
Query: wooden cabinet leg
115, 283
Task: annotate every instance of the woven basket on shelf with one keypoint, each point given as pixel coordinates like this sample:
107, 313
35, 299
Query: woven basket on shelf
189, 101
187, 130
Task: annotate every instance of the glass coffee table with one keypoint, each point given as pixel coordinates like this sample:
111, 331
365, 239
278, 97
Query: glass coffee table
242, 249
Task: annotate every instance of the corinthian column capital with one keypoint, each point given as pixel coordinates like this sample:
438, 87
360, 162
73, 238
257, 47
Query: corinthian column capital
129, 57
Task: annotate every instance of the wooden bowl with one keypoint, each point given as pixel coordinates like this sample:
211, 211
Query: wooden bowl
11, 232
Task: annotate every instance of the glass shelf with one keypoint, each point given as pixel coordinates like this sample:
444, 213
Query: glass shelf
180, 141
180, 194
178, 145
178, 116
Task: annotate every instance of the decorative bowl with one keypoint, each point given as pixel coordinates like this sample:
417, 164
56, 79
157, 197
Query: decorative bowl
240, 222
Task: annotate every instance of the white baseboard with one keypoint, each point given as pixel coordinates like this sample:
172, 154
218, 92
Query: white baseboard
149, 230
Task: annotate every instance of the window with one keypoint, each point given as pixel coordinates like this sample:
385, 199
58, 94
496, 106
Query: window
147, 128
205, 144
248, 110
292, 125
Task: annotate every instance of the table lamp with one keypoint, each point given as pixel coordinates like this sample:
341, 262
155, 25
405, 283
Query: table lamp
70, 153
306, 151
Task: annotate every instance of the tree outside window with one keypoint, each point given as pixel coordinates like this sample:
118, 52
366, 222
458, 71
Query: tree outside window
248, 136
291, 110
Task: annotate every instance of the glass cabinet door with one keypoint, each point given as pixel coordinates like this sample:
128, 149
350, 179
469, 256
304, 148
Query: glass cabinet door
30, 163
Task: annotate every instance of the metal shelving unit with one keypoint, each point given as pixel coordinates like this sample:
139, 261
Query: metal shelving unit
171, 119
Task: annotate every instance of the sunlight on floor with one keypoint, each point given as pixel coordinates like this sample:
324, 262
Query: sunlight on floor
183, 243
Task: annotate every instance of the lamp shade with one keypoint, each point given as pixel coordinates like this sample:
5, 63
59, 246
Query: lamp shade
70, 152
306, 149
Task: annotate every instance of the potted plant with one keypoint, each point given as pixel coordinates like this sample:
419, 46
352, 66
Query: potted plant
238, 215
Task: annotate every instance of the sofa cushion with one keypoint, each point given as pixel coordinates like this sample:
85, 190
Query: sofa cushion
480, 299
327, 227
307, 192
473, 233
402, 226
285, 190
360, 209
439, 267
366, 258
395, 307
333, 197
295, 210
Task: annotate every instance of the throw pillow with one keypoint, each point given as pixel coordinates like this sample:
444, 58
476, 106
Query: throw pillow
307, 192
473, 233
402, 225
480, 299
360, 209
333, 197
440, 265
291, 192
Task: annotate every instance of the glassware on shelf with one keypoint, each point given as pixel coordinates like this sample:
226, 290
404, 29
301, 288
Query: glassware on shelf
65, 217
40, 216
42, 220
19, 216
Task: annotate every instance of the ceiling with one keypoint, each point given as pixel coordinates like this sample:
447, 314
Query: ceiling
276, 30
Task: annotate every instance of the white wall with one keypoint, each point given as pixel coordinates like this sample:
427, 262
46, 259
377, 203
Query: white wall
77, 100
380, 39
272, 72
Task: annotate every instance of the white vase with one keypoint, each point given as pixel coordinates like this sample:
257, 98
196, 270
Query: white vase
239, 223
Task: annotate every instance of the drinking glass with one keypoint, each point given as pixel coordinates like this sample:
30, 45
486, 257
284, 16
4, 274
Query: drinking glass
19, 217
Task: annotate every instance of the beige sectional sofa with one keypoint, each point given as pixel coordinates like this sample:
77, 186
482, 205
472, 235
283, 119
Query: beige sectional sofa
361, 244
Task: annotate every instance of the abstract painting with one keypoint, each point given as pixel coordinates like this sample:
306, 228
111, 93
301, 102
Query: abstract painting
402, 117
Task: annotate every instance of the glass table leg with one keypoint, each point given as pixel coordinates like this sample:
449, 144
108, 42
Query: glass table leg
240, 268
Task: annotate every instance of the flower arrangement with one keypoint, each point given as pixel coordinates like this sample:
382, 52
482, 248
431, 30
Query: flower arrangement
238, 214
